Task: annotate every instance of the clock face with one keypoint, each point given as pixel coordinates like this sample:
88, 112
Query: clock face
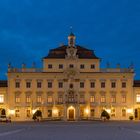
71, 52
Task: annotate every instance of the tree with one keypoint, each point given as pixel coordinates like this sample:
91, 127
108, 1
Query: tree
105, 115
37, 115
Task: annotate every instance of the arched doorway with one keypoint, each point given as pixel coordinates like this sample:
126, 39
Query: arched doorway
71, 113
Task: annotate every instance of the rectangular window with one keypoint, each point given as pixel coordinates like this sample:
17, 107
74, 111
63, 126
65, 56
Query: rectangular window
82, 99
92, 66
82, 85
123, 98
113, 99
113, 112
123, 112
39, 99
17, 99
28, 84
49, 84
102, 84
49, 113
28, 113
92, 84
28, 99
113, 84
103, 100
71, 66
39, 84
49, 99
49, 66
17, 113
92, 112
1, 98
82, 66
138, 98
60, 99
92, 99
123, 84
17, 84
60, 84
60, 66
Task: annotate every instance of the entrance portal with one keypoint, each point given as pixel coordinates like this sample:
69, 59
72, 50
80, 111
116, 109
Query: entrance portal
71, 113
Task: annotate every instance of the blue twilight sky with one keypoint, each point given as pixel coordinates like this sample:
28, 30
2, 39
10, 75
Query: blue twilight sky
29, 28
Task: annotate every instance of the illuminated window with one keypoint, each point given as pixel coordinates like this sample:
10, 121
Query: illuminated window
28, 99
123, 112
81, 112
92, 112
39, 99
1, 98
28, 113
123, 98
113, 99
71, 97
103, 99
82, 99
17, 113
138, 98
113, 112
92, 99
49, 113
17, 99
50, 99
60, 99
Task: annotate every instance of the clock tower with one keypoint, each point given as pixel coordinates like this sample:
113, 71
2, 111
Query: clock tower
71, 49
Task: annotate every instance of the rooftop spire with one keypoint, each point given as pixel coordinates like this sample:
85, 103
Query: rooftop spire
71, 38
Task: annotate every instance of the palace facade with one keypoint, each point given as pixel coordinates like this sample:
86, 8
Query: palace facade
70, 86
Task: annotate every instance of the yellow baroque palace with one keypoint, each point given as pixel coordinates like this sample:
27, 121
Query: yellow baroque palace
70, 86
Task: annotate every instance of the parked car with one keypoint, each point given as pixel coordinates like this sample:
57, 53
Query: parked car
5, 119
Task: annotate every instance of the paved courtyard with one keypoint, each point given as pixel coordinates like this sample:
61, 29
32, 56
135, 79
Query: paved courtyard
70, 131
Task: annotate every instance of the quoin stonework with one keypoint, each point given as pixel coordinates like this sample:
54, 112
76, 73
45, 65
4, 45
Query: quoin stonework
70, 86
